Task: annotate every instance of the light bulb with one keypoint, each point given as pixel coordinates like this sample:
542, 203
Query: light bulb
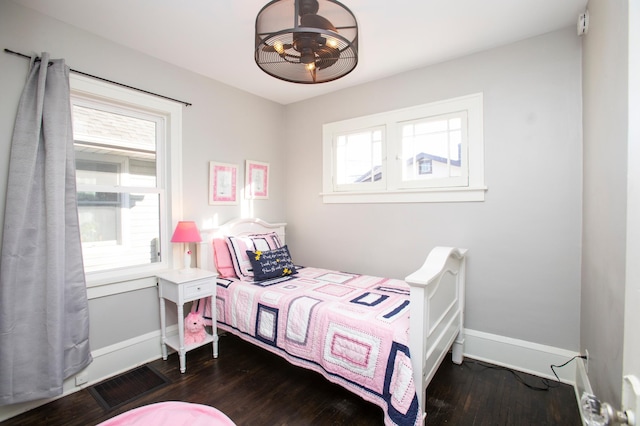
332, 42
279, 47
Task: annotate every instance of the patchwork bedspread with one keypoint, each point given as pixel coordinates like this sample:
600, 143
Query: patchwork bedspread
353, 329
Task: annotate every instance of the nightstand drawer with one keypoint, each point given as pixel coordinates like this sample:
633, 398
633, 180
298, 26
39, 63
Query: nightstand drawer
199, 289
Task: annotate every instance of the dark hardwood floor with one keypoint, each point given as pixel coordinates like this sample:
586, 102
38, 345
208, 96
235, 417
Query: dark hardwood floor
255, 387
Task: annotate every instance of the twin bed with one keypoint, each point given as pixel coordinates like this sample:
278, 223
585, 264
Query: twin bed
381, 338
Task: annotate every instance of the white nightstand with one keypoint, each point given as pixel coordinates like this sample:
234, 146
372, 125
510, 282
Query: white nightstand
180, 288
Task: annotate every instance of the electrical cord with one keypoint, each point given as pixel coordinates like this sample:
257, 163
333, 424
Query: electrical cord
559, 366
546, 384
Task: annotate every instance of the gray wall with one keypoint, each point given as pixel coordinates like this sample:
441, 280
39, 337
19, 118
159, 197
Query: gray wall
224, 124
605, 65
524, 240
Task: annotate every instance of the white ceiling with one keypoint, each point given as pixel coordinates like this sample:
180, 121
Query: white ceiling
215, 37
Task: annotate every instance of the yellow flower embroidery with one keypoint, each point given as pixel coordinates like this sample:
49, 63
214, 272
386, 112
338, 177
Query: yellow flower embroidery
258, 253
286, 271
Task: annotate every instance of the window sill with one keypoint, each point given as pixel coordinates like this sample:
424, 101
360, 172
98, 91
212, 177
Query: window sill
440, 195
102, 285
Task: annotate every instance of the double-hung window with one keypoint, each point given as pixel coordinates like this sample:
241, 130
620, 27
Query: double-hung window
123, 141
431, 152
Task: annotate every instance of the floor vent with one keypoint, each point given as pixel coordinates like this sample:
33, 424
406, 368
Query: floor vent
128, 386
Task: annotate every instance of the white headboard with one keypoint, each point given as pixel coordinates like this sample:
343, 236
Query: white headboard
204, 252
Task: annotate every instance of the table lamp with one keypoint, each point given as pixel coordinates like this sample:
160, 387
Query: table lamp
186, 232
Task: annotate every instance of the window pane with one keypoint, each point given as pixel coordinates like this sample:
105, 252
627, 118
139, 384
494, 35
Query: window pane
118, 130
431, 148
455, 147
98, 223
359, 157
119, 229
96, 172
127, 141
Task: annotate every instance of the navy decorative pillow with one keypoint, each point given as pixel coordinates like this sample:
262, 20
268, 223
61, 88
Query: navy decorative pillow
271, 263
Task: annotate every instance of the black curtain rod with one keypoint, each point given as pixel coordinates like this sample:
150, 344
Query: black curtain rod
106, 80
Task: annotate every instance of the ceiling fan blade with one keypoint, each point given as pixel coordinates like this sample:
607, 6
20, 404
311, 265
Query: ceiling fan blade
326, 57
316, 21
268, 48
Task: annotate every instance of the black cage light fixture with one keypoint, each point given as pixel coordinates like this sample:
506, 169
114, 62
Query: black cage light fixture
306, 41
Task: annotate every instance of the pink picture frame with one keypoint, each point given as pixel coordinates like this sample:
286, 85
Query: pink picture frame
223, 183
257, 180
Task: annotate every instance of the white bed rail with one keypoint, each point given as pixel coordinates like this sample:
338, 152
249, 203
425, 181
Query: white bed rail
437, 309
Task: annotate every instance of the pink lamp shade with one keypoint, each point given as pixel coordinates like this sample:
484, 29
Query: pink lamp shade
186, 232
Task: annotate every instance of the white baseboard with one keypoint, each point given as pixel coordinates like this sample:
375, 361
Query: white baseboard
529, 358
520, 355
107, 362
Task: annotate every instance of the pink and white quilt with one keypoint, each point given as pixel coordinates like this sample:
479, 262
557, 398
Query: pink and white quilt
353, 329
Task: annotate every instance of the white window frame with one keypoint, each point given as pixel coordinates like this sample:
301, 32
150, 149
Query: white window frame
169, 163
394, 190
355, 187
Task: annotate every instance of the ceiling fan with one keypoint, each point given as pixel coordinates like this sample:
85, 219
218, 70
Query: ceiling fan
316, 49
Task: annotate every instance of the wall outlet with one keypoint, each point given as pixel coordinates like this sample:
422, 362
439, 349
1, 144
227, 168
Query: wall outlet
82, 378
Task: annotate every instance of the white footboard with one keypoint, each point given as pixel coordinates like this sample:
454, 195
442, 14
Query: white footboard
437, 313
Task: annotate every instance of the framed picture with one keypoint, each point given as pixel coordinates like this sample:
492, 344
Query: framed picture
223, 183
257, 180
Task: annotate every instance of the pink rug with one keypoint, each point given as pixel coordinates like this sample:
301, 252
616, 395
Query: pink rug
171, 413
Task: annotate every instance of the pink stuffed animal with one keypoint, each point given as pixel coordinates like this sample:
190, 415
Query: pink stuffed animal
194, 329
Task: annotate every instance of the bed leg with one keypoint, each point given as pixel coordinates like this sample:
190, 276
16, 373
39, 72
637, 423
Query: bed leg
457, 350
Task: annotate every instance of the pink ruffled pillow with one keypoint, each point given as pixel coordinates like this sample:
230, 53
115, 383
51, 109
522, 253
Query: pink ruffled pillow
221, 254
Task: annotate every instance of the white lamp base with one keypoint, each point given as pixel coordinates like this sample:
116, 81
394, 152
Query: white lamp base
187, 263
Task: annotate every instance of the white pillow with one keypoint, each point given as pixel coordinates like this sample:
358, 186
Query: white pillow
238, 247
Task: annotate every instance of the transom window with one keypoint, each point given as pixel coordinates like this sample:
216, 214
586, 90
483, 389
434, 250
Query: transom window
432, 152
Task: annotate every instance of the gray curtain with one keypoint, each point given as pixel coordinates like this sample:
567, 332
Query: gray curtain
44, 317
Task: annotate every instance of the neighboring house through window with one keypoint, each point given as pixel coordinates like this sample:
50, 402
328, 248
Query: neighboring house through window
431, 152
122, 144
